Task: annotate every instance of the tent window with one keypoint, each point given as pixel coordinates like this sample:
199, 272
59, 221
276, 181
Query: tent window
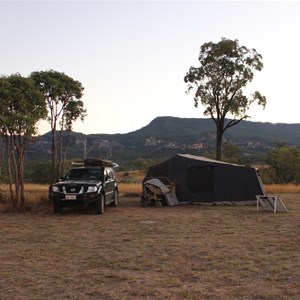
201, 179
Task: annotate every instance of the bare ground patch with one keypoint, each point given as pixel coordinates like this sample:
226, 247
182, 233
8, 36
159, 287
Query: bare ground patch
184, 252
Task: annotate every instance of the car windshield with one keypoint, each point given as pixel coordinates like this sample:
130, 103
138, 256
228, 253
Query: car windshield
83, 174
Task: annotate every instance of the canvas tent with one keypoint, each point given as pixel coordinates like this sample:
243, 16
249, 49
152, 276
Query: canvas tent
199, 179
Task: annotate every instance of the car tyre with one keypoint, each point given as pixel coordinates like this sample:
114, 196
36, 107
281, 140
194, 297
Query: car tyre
57, 208
116, 199
100, 205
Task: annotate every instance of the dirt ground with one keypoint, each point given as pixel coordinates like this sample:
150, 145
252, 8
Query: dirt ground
130, 252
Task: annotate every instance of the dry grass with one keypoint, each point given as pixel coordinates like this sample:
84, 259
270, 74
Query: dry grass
36, 198
135, 175
130, 252
130, 188
136, 188
282, 188
37, 195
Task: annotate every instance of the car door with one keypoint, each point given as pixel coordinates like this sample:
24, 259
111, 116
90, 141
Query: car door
109, 184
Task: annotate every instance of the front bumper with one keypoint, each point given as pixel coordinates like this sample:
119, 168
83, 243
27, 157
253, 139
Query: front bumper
74, 199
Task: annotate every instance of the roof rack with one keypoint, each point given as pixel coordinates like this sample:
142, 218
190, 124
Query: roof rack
94, 162
78, 163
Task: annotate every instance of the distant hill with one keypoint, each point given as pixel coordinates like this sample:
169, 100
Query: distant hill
166, 136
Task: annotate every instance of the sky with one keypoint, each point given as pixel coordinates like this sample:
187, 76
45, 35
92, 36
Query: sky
131, 56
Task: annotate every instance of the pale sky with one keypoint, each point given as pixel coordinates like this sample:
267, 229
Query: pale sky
132, 56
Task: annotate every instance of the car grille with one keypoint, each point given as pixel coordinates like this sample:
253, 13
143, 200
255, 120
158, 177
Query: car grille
73, 189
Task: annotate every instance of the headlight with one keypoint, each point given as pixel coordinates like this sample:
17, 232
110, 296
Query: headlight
55, 189
91, 189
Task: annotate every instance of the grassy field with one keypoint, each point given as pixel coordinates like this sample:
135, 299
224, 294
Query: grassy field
130, 252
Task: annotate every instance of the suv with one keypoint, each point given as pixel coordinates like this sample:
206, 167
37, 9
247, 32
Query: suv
91, 182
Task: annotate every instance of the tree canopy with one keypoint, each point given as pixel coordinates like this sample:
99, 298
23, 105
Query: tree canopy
21, 107
285, 164
21, 104
62, 95
225, 70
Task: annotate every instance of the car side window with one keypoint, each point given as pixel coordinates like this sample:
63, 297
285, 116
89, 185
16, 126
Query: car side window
110, 175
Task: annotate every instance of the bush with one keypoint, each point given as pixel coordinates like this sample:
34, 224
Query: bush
285, 164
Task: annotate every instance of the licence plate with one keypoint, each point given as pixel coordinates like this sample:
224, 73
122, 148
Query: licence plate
70, 197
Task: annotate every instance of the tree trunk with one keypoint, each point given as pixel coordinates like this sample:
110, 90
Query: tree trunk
219, 138
53, 168
1, 157
10, 183
60, 151
65, 152
21, 182
84, 146
16, 175
21, 162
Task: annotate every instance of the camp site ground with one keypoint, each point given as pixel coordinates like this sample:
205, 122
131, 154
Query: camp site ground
130, 252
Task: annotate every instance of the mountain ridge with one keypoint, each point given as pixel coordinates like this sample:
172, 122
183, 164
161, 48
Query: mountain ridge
167, 136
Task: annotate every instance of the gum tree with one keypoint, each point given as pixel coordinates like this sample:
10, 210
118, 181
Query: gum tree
73, 111
225, 70
21, 107
62, 95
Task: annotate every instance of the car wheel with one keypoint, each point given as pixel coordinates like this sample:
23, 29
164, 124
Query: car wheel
116, 199
57, 208
100, 205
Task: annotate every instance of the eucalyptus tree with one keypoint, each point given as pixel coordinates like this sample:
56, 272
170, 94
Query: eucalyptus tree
73, 111
225, 70
284, 162
21, 107
62, 95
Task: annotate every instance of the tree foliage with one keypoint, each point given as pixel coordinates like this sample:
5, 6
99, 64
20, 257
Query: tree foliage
285, 164
232, 153
21, 107
225, 70
63, 98
39, 172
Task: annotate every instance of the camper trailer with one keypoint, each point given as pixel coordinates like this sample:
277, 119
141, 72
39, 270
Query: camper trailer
200, 179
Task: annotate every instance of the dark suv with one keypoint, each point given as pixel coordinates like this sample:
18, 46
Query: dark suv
91, 183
